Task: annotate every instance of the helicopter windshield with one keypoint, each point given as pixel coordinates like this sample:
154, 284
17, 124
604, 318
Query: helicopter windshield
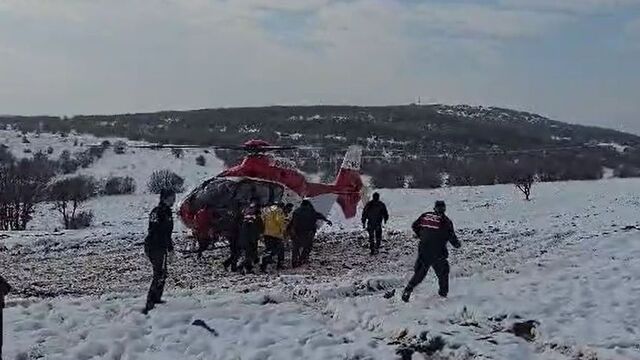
265, 192
216, 193
221, 193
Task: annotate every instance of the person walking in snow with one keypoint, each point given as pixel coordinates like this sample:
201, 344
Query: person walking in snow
373, 215
5, 288
303, 227
275, 226
435, 230
251, 228
158, 246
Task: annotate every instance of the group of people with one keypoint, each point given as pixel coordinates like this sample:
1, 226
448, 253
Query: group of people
274, 224
243, 228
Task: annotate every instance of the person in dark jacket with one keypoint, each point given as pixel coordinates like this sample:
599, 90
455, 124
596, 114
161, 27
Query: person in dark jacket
5, 288
303, 227
435, 230
230, 225
373, 215
251, 228
158, 246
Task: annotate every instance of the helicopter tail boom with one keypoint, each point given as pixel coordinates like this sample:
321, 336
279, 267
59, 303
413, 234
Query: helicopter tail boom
348, 184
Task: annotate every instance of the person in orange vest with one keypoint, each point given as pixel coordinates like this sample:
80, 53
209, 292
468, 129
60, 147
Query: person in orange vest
5, 288
275, 227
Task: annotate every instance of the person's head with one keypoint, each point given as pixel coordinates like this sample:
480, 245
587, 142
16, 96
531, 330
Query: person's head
167, 197
306, 203
440, 207
376, 196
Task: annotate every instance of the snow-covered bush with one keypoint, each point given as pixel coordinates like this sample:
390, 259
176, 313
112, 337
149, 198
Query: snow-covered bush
81, 220
120, 147
177, 152
66, 163
165, 180
69, 193
201, 160
84, 158
119, 185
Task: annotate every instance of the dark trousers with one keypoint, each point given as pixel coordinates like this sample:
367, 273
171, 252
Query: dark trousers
302, 244
159, 264
440, 266
234, 254
375, 237
250, 250
203, 244
274, 248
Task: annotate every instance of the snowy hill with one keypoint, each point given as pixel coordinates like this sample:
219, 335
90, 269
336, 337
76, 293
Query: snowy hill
569, 259
476, 145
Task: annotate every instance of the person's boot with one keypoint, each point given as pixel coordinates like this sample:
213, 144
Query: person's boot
146, 309
442, 294
159, 301
406, 294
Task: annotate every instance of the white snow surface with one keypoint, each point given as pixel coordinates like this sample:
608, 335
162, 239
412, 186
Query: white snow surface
569, 259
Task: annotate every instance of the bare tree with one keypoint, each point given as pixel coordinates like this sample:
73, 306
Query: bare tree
165, 180
67, 194
524, 184
22, 185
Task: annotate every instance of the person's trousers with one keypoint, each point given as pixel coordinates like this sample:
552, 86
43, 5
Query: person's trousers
302, 244
274, 249
159, 264
375, 237
250, 249
234, 254
440, 266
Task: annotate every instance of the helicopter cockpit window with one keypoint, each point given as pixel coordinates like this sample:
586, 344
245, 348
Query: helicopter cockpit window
217, 193
266, 193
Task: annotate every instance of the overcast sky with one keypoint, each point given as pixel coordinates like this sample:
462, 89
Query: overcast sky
572, 60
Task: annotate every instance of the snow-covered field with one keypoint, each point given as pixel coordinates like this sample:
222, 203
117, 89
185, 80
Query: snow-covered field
569, 259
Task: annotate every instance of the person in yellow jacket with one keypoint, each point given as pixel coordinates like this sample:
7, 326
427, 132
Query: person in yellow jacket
275, 227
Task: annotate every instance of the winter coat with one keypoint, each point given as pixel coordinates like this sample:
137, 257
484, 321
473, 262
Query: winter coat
158, 239
275, 222
304, 219
251, 225
374, 213
435, 231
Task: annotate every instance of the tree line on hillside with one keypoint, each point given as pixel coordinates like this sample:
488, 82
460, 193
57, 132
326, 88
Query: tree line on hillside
27, 182
407, 133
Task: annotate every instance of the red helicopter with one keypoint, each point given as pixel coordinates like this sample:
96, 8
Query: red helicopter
262, 177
